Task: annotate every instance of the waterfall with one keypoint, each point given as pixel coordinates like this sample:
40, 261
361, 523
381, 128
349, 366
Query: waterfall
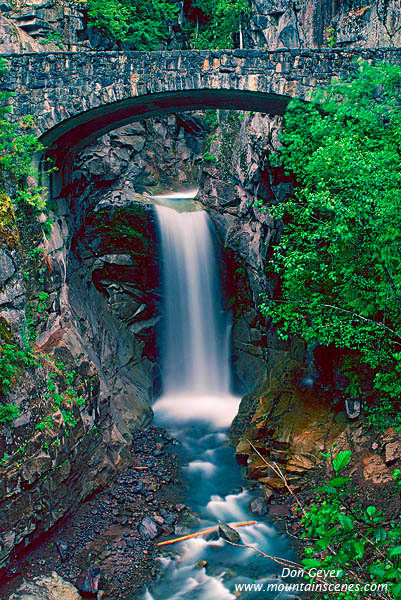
195, 336
196, 407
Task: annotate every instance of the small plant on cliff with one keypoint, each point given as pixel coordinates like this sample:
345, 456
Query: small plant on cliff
16, 151
54, 37
9, 412
339, 257
331, 37
13, 361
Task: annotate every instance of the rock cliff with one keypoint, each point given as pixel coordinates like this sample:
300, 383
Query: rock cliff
303, 24
273, 24
86, 298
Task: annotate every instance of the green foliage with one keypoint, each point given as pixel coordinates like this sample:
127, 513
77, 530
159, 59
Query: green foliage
383, 415
142, 25
338, 259
43, 296
13, 361
331, 37
46, 423
341, 460
16, 152
68, 417
53, 37
209, 157
210, 119
352, 538
9, 412
217, 23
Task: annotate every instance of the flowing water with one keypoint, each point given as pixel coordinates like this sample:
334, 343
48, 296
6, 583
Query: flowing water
197, 408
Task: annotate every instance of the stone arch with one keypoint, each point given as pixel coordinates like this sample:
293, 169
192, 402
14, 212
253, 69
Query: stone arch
68, 137
76, 96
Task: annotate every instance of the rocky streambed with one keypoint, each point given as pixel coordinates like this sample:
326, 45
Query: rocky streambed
114, 529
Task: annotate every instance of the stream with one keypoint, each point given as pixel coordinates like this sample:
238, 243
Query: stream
197, 408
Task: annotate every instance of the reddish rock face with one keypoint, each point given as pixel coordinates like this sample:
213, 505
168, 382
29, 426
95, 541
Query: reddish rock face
302, 425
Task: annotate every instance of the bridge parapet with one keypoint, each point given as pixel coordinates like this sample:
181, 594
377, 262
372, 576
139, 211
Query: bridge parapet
76, 97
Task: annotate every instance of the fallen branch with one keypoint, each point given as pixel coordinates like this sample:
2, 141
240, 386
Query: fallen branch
280, 474
138, 468
209, 530
280, 561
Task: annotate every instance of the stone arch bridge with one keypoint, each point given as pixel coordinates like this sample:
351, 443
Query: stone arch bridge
77, 97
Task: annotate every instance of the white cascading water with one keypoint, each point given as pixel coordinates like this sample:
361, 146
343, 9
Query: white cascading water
197, 408
196, 347
195, 338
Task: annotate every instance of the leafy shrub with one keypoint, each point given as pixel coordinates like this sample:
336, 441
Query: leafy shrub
218, 23
352, 538
338, 259
143, 25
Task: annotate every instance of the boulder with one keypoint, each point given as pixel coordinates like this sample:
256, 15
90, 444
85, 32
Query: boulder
201, 564
258, 506
149, 529
46, 588
353, 408
392, 452
228, 533
7, 267
88, 581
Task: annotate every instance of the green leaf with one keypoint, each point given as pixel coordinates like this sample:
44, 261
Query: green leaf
341, 460
311, 562
346, 522
359, 548
395, 551
338, 482
396, 591
380, 534
378, 571
371, 510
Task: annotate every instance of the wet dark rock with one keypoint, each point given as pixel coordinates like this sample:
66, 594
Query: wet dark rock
167, 530
180, 530
258, 506
88, 581
228, 533
353, 408
201, 564
169, 517
278, 510
307, 382
149, 529
159, 520
189, 519
63, 550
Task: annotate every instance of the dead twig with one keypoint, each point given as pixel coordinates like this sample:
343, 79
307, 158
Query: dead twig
280, 474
